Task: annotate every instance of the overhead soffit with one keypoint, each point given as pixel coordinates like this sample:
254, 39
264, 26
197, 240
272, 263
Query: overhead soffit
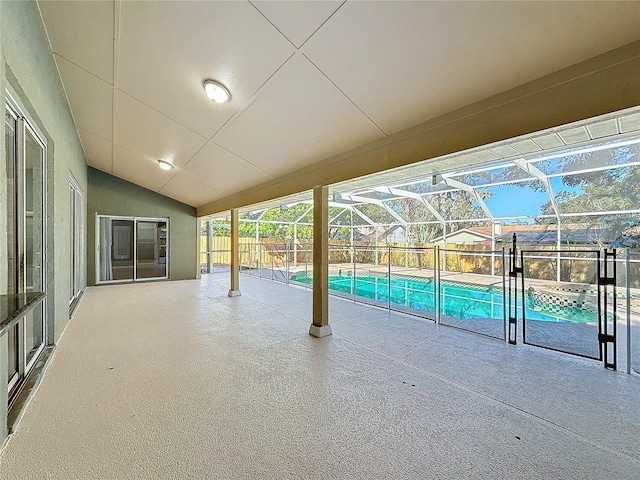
243, 174
408, 65
83, 34
140, 169
88, 94
97, 150
597, 130
298, 20
308, 79
589, 132
289, 128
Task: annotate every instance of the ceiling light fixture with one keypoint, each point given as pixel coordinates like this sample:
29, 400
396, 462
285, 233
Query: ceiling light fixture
165, 165
216, 91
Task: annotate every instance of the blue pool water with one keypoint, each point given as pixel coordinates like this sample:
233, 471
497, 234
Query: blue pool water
459, 300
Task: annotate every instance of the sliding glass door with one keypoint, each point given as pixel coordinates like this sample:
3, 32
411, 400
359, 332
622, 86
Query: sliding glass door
25, 174
151, 245
131, 249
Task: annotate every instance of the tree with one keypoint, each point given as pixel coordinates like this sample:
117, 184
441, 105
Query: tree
614, 189
451, 205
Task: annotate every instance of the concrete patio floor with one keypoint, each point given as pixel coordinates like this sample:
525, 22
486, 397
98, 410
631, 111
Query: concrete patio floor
177, 380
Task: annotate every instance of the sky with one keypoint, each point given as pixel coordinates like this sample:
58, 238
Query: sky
510, 200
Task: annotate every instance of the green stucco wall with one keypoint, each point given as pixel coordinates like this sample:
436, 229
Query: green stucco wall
28, 69
109, 195
28, 72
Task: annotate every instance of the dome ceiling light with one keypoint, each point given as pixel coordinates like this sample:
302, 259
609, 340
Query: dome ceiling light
217, 92
165, 165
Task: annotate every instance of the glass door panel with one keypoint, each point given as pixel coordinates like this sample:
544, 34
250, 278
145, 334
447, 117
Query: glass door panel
151, 249
13, 363
34, 333
33, 239
13, 360
12, 225
24, 169
116, 254
122, 257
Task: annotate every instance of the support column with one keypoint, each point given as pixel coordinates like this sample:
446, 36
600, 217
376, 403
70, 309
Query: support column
320, 326
198, 248
234, 291
257, 247
559, 247
295, 244
209, 247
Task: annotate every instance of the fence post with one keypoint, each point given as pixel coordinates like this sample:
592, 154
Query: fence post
406, 255
376, 247
436, 274
628, 274
353, 280
504, 298
249, 260
389, 278
306, 267
209, 247
295, 242
272, 265
286, 265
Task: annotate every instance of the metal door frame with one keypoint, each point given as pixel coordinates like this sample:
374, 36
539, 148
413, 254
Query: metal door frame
606, 277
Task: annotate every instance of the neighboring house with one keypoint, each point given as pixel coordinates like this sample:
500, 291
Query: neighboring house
572, 234
467, 236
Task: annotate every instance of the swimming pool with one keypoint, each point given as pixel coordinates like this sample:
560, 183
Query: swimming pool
457, 299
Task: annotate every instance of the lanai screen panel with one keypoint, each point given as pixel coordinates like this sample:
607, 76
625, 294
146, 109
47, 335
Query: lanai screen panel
517, 199
501, 174
456, 205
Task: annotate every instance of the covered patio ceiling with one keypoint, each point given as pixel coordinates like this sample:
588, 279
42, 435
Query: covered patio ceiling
309, 81
542, 162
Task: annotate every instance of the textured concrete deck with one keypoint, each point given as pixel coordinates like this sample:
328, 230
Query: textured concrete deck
177, 380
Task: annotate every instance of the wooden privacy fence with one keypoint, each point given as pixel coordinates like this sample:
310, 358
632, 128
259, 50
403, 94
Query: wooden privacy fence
457, 257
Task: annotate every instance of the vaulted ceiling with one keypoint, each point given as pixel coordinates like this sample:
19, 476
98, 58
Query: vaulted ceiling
308, 80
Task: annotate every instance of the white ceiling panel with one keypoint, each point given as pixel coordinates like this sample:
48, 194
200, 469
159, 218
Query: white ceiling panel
526, 146
189, 191
605, 128
140, 169
550, 140
91, 97
219, 169
630, 122
167, 49
97, 150
504, 151
299, 118
82, 32
403, 63
574, 135
485, 155
297, 20
309, 79
144, 130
